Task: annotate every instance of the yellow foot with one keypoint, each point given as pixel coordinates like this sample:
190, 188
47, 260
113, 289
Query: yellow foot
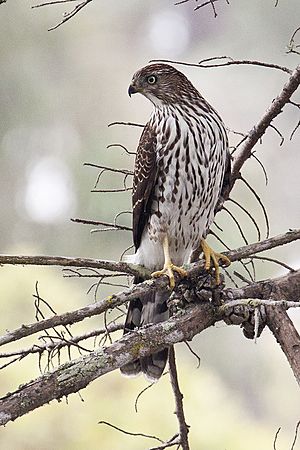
169, 269
215, 257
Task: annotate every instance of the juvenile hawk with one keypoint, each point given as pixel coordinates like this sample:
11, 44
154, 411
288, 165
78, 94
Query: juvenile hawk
180, 167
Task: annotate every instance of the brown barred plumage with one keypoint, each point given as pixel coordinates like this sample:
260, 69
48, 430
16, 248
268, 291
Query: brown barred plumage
178, 177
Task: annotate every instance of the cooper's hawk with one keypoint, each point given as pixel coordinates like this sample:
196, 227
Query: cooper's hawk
179, 172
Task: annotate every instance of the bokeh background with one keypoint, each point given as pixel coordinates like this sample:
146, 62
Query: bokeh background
59, 91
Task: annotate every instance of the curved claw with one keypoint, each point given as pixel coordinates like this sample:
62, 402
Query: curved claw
169, 269
211, 255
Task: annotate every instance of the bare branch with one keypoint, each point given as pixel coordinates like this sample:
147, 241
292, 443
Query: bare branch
121, 146
287, 337
296, 435
130, 124
53, 2
292, 46
77, 374
231, 62
253, 191
49, 346
259, 129
105, 224
248, 214
65, 261
72, 13
179, 411
103, 422
129, 294
111, 169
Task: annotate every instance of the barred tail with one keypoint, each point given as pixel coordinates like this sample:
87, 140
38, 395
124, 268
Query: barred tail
151, 309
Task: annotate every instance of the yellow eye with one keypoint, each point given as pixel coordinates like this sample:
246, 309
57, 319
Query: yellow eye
152, 79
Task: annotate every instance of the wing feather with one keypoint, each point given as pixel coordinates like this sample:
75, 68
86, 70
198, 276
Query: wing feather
144, 178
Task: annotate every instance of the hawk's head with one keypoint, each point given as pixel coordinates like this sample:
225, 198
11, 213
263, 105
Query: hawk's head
162, 84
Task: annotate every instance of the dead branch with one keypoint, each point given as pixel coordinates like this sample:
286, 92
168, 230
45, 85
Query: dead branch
130, 433
110, 169
179, 411
260, 128
118, 299
208, 64
67, 15
110, 225
77, 374
130, 124
65, 261
286, 335
292, 46
49, 346
131, 269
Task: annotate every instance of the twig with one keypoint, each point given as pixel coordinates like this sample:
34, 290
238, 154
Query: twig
248, 214
275, 438
139, 395
296, 435
232, 62
72, 13
169, 443
110, 169
46, 346
251, 189
275, 261
209, 2
53, 2
195, 354
292, 45
105, 224
103, 422
109, 191
179, 411
130, 124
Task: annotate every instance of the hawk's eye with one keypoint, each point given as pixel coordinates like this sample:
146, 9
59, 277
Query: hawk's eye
152, 79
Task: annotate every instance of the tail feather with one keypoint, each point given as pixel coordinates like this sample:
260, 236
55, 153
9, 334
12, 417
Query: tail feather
151, 309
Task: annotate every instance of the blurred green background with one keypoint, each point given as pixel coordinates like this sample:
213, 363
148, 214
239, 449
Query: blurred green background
58, 91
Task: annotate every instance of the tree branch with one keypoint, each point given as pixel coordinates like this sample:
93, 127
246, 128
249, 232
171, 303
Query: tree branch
179, 411
286, 335
65, 261
115, 300
77, 374
259, 129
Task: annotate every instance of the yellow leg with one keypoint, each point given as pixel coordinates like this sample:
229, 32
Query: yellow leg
169, 267
210, 255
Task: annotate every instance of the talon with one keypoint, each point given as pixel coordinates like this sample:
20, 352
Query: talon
215, 257
169, 267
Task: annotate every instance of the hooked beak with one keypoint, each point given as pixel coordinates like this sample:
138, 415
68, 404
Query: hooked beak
131, 90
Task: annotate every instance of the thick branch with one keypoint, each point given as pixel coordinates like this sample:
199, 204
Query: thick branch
285, 288
77, 374
286, 335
